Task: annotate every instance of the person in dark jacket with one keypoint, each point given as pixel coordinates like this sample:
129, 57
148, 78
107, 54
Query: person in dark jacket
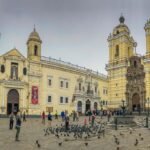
67, 122
49, 119
18, 125
11, 121
24, 116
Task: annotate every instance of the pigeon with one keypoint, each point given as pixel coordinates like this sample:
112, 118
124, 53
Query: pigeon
98, 137
57, 136
118, 148
121, 134
136, 142
60, 143
38, 145
86, 144
142, 138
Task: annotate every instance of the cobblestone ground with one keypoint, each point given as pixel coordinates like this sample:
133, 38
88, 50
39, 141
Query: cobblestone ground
32, 130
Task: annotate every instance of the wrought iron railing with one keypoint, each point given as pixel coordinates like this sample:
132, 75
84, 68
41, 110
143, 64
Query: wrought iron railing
68, 64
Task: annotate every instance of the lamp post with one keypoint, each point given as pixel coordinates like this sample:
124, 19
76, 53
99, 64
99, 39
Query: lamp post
101, 103
147, 113
148, 100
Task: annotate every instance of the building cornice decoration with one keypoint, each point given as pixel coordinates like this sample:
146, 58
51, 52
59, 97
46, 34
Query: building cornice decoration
69, 66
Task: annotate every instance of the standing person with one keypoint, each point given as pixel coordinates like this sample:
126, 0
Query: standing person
11, 121
93, 119
62, 115
89, 114
49, 119
24, 116
43, 117
67, 122
18, 125
56, 115
74, 115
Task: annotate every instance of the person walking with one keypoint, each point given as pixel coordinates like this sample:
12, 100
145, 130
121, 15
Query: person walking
49, 119
43, 117
11, 121
93, 119
74, 116
67, 122
24, 116
18, 126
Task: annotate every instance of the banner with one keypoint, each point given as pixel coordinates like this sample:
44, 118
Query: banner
34, 95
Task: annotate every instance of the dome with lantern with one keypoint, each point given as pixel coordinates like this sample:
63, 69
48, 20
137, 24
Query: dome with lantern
34, 36
122, 27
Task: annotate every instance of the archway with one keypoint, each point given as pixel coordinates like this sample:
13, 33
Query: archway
95, 105
79, 107
12, 101
88, 105
136, 102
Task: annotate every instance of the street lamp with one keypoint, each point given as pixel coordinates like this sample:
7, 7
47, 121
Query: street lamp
148, 112
101, 104
148, 100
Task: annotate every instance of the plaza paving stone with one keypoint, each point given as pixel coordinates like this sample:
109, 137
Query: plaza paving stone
32, 130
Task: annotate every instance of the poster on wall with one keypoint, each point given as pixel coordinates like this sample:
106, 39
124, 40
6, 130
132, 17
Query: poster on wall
34, 95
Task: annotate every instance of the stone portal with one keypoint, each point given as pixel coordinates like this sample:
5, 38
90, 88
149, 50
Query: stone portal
135, 87
12, 101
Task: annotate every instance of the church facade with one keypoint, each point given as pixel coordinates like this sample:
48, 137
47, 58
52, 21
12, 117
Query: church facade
35, 83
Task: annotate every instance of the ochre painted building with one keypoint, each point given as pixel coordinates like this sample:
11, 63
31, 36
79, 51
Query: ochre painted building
36, 83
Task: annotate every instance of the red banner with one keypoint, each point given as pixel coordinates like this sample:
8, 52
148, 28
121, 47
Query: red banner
34, 95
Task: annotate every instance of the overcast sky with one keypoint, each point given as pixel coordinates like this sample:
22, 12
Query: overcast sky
74, 30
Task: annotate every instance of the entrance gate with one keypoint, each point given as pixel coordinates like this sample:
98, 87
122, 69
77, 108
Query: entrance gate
136, 102
12, 101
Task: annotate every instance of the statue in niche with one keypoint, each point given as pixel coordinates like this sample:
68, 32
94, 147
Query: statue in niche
14, 72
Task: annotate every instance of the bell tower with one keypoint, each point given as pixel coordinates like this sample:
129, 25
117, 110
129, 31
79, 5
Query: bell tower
121, 44
34, 46
121, 48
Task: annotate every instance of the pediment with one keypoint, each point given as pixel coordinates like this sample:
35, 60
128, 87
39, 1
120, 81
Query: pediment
14, 53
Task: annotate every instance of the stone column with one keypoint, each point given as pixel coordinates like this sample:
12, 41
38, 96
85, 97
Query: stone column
83, 107
76, 105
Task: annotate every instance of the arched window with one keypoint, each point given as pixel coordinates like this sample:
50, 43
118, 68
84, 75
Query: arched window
117, 32
35, 50
117, 51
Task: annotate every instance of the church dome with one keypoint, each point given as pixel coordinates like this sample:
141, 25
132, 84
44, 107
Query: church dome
121, 27
34, 36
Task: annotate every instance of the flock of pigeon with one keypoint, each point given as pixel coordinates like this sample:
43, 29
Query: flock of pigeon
85, 133
75, 132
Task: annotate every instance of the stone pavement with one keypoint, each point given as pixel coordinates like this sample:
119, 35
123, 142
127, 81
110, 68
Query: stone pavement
32, 130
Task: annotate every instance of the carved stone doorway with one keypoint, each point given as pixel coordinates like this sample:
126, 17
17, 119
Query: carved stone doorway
12, 101
95, 105
88, 105
135, 102
79, 106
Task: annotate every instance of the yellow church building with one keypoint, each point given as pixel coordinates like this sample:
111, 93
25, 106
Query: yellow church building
35, 83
